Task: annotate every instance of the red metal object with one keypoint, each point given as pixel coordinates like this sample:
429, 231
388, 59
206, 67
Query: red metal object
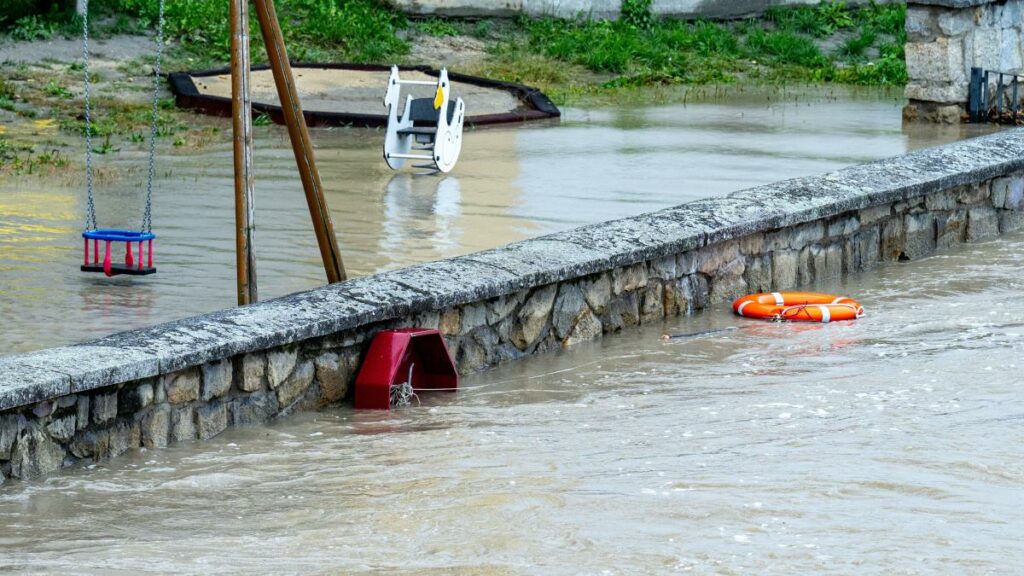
387, 363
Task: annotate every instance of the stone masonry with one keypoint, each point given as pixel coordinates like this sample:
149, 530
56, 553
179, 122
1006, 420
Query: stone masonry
191, 379
945, 39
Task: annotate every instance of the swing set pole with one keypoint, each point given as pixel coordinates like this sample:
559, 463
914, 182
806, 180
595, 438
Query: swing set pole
241, 114
298, 133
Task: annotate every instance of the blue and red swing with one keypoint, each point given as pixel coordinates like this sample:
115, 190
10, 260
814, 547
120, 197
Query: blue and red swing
137, 262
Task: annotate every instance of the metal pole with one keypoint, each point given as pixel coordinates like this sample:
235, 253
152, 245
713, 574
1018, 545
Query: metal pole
241, 113
301, 145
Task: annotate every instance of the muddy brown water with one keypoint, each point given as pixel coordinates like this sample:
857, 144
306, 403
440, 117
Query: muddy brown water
511, 183
890, 445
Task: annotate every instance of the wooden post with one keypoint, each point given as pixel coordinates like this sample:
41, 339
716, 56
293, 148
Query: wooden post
241, 113
299, 136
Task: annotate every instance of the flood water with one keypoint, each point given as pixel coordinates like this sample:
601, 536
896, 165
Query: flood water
511, 183
891, 445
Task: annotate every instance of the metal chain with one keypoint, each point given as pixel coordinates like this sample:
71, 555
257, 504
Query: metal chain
90, 208
147, 218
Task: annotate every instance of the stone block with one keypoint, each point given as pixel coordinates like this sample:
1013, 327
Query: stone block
61, 429
988, 44
1008, 193
217, 378
920, 235
597, 290
587, 327
784, 269
472, 357
622, 311
677, 296
183, 424
104, 407
950, 228
335, 372
429, 319
34, 454
955, 22
972, 194
211, 419
82, 411
451, 322
90, 444
295, 386
892, 240
728, 283
982, 223
156, 427
44, 409
256, 408
833, 262
752, 244
652, 302
568, 305
253, 372
280, 363
758, 273
663, 268
10, 426
473, 317
921, 23
502, 307
134, 397
874, 214
532, 318
941, 200
939, 61
936, 92
710, 259
123, 437
843, 226
629, 278
182, 386
1011, 221
1009, 50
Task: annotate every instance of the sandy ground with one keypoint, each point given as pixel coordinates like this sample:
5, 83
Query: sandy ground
353, 91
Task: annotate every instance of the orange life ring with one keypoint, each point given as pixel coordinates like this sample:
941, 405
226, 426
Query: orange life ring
798, 307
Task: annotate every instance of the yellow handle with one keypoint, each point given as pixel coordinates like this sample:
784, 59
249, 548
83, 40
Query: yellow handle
438, 98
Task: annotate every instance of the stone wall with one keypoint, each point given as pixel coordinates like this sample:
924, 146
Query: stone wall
191, 379
945, 39
597, 9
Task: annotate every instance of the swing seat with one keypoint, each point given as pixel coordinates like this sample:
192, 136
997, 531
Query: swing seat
428, 130
132, 266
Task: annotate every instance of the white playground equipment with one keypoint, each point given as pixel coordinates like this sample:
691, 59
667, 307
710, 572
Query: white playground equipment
430, 125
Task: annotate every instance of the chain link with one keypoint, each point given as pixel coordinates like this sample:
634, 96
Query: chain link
147, 218
90, 215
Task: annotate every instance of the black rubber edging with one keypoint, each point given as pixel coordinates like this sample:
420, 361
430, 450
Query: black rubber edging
186, 95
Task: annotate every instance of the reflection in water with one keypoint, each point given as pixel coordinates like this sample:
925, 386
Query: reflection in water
890, 445
421, 210
511, 183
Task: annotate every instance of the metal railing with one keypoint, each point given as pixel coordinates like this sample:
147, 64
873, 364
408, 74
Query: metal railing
995, 97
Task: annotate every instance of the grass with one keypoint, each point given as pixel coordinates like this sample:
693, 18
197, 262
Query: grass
828, 42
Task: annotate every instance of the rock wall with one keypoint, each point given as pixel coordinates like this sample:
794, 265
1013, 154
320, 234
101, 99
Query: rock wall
945, 39
597, 9
191, 379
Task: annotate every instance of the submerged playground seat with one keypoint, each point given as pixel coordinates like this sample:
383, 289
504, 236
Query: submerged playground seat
432, 126
131, 266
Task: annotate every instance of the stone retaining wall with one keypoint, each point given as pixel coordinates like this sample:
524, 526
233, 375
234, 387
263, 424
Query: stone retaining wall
596, 9
193, 378
945, 39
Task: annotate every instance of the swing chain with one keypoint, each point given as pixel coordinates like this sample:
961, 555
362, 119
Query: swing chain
90, 217
147, 219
